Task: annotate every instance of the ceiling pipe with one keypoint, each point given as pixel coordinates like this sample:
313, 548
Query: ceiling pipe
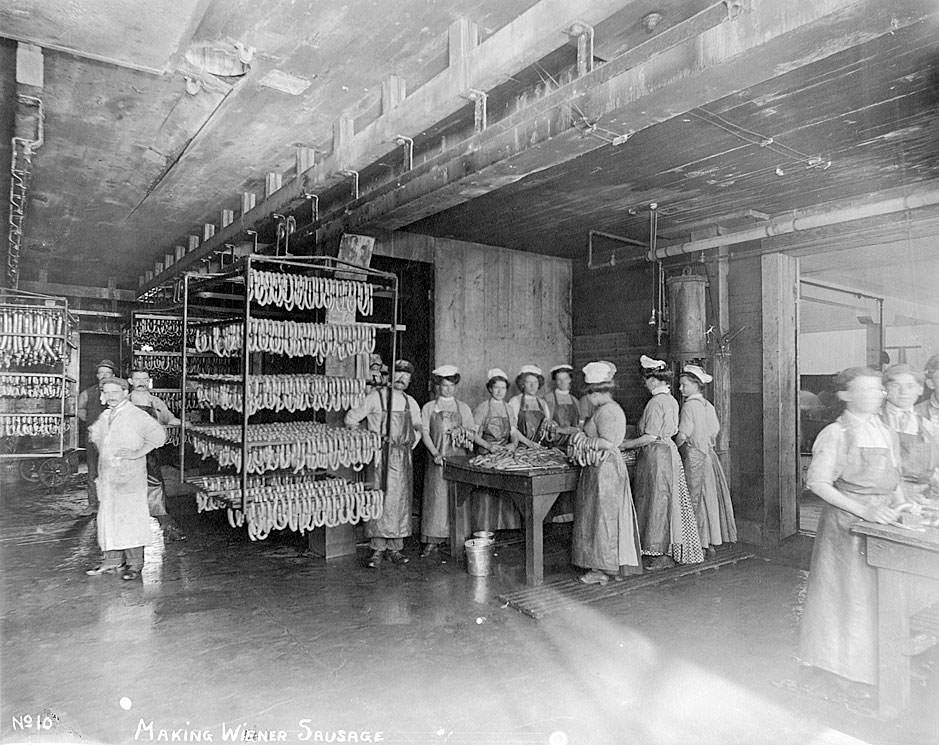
800, 220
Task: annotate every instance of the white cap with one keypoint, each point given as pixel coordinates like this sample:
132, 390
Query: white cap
599, 372
496, 372
697, 372
557, 368
650, 364
533, 369
446, 371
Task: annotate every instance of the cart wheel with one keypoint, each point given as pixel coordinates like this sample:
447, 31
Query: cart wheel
54, 472
29, 470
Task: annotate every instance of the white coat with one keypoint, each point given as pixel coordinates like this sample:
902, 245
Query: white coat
123, 515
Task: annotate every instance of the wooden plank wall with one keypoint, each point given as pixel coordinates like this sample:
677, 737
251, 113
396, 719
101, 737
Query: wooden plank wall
744, 287
611, 322
499, 308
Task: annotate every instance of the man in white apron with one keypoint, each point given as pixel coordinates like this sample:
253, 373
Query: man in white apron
387, 533
123, 435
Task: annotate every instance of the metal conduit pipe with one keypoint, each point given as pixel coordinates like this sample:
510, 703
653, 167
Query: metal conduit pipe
800, 220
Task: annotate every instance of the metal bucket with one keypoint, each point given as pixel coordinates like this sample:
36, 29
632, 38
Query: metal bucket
487, 534
479, 556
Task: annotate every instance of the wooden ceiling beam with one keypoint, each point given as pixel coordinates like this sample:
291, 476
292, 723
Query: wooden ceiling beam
534, 34
706, 58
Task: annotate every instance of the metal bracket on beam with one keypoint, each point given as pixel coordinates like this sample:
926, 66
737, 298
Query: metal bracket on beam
315, 207
479, 98
583, 32
409, 150
253, 234
355, 182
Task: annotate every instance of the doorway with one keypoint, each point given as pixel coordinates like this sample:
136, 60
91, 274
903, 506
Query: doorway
416, 343
93, 347
861, 306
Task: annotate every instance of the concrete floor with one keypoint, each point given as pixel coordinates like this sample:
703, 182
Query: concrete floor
223, 633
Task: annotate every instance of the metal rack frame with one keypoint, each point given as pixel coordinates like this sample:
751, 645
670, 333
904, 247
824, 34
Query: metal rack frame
238, 273
20, 299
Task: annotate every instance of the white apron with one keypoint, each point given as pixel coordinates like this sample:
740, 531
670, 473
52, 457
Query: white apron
123, 514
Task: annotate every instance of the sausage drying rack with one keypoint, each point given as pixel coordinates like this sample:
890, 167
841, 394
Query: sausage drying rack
232, 285
63, 345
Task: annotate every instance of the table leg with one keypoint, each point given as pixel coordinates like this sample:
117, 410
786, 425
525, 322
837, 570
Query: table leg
534, 509
893, 633
460, 530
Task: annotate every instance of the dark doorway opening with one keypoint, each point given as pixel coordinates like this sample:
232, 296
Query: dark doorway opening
416, 344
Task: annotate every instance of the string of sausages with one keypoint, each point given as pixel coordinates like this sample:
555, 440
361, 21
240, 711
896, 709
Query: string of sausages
583, 451
521, 459
289, 338
172, 435
14, 385
281, 392
461, 437
307, 509
18, 425
286, 445
173, 364
28, 336
174, 399
291, 291
160, 333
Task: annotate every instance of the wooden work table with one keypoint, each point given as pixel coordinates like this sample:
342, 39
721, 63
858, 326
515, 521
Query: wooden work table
533, 491
907, 564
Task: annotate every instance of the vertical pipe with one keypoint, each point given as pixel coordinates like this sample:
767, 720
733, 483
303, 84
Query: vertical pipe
183, 369
883, 332
245, 372
66, 356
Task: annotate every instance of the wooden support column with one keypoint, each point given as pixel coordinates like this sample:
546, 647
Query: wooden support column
306, 159
272, 182
393, 93
781, 482
463, 38
343, 133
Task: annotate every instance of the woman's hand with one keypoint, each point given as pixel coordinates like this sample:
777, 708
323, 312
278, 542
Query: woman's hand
438, 459
881, 513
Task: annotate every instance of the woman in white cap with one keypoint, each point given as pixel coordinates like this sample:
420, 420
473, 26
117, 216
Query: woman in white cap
497, 425
698, 428
447, 425
606, 536
566, 411
387, 533
564, 408
531, 410
667, 521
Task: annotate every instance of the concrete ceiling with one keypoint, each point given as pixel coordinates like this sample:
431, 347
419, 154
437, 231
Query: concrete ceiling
133, 163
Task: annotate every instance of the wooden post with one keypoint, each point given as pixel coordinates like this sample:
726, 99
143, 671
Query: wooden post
343, 132
306, 159
393, 93
781, 482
